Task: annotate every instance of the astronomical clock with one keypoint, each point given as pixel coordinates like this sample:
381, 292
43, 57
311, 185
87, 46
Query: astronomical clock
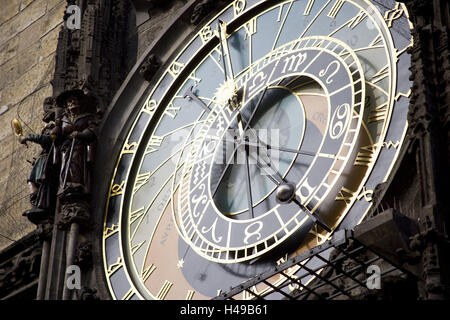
267, 130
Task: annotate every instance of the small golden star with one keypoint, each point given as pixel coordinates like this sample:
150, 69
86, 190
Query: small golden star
180, 264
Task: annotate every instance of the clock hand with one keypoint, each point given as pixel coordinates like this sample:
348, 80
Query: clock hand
240, 126
229, 161
249, 188
284, 149
222, 34
276, 178
236, 146
285, 188
316, 218
190, 94
258, 144
247, 126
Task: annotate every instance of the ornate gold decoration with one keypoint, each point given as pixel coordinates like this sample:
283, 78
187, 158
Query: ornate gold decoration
226, 93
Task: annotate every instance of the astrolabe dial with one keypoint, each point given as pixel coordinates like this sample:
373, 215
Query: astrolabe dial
266, 131
212, 211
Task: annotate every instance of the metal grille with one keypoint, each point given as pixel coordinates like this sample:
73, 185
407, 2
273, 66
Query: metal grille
338, 265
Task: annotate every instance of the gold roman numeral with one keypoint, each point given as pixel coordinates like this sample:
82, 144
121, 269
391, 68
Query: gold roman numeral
194, 78
172, 110
141, 180
345, 195
357, 19
378, 114
250, 28
378, 39
136, 247
148, 272
320, 237
190, 295
335, 9
380, 75
153, 145
248, 295
162, 294
308, 8
135, 215
365, 157
128, 295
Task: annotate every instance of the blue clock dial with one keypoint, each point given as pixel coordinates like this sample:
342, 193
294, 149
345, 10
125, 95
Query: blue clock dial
267, 131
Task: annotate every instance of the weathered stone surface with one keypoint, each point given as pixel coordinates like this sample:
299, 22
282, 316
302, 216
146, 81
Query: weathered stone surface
9, 50
28, 38
5, 165
53, 3
8, 144
9, 9
22, 20
49, 42
30, 35
25, 3
28, 58
53, 18
32, 80
8, 73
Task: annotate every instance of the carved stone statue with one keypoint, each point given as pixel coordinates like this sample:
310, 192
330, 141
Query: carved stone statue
41, 180
75, 131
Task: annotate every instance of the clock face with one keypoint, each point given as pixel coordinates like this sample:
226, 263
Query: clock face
268, 131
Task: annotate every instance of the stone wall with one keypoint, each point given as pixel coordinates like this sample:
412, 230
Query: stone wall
28, 38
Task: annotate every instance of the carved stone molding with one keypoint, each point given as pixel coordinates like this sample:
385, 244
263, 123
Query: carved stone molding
149, 67
44, 231
83, 257
76, 212
20, 270
94, 58
202, 9
87, 294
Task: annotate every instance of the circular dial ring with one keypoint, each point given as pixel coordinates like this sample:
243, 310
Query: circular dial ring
343, 81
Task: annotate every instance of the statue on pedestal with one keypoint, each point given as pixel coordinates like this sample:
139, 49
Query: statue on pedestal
41, 181
75, 132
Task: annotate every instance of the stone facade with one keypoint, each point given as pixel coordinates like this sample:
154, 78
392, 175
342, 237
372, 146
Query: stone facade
28, 39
